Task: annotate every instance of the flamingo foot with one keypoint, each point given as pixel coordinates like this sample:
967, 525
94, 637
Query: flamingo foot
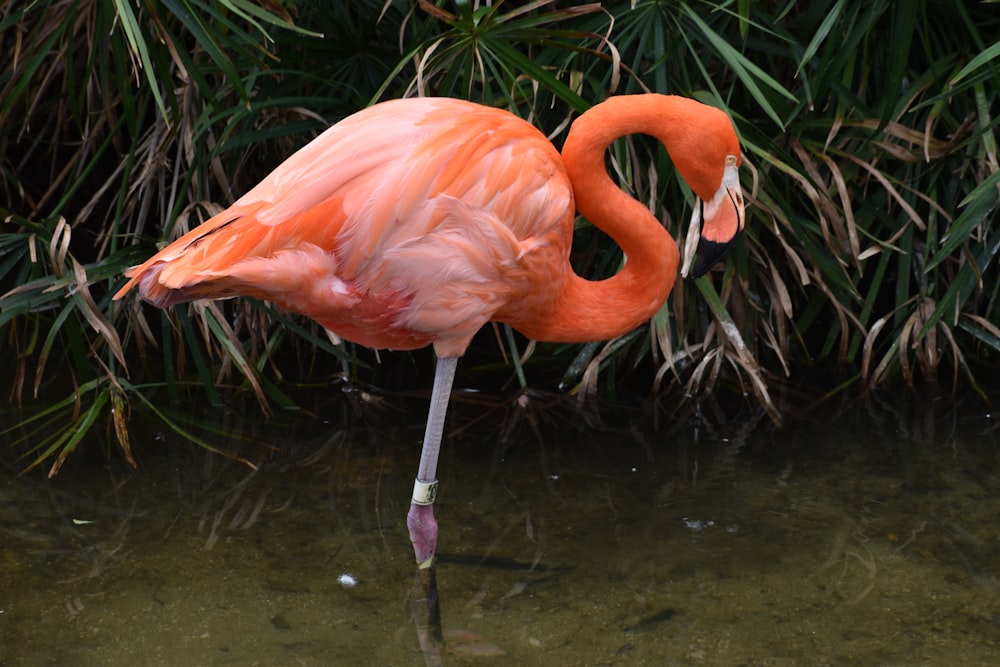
423, 533
426, 607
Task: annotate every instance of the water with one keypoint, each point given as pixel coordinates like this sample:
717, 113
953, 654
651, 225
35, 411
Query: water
861, 539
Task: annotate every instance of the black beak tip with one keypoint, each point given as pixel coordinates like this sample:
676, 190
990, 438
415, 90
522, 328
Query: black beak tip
708, 255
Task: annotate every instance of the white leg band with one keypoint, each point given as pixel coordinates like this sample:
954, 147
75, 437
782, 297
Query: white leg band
424, 493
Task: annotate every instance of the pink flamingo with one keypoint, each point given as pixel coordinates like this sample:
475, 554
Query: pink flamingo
415, 222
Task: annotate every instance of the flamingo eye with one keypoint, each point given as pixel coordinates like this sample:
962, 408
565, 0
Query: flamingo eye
730, 159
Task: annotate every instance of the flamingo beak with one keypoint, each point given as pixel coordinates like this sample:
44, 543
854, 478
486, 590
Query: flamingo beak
722, 221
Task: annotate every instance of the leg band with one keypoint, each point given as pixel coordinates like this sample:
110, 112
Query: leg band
424, 493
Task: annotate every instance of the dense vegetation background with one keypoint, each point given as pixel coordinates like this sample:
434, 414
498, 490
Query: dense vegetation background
869, 132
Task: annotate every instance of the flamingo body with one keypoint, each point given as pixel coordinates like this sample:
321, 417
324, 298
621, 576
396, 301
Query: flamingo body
410, 223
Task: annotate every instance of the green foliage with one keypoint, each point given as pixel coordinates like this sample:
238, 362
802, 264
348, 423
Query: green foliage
868, 130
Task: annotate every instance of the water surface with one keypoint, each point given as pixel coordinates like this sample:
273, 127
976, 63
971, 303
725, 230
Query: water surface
867, 537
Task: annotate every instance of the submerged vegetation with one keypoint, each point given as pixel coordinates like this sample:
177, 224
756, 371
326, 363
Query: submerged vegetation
872, 179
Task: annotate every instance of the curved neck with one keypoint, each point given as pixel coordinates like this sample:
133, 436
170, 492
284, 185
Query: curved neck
599, 310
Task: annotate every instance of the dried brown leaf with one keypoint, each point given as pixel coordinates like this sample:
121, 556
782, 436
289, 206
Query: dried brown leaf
870, 337
94, 316
884, 180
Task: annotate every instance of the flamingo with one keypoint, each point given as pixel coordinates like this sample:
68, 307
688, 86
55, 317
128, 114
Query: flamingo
414, 222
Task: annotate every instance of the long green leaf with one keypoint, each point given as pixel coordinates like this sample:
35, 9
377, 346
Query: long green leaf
979, 205
137, 43
990, 53
748, 73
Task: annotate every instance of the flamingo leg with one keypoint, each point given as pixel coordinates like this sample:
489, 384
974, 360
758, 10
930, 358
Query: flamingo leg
420, 520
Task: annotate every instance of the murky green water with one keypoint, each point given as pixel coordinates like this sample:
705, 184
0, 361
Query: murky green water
866, 539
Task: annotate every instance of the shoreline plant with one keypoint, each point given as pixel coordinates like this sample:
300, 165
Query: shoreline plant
873, 179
